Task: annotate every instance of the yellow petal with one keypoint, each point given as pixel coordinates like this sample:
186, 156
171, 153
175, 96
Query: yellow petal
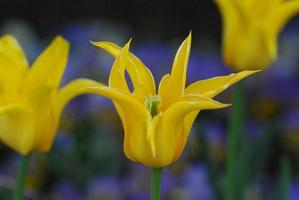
276, 20
117, 75
214, 86
126, 101
262, 7
170, 132
135, 118
163, 91
189, 119
41, 99
117, 80
10, 79
70, 91
13, 65
17, 128
10, 47
177, 80
231, 20
49, 66
142, 79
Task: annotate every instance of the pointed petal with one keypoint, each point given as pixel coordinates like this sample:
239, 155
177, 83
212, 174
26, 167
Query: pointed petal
117, 77
70, 91
163, 91
85, 86
10, 47
49, 66
135, 118
126, 101
171, 134
117, 80
142, 79
136, 123
177, 80
214, 86
17, 128
190, 117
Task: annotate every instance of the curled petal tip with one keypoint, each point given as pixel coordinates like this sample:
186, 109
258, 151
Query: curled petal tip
127, 45
97, 44
249, 72
130, 40
224, 105
189, 37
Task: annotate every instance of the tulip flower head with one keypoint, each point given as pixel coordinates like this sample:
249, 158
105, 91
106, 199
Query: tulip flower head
251, 29
31, 101
157, 124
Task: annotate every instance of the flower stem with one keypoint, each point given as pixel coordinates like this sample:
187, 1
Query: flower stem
235, 139
22, 173
156, 183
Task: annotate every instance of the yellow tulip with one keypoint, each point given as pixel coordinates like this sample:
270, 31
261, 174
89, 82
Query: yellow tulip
157, 124
30, 100
251, 29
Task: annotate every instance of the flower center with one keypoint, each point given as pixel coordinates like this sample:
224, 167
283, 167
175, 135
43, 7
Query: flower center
152, 103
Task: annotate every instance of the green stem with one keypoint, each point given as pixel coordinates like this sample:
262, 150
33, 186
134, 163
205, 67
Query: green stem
156, 183
235, 139
22, 174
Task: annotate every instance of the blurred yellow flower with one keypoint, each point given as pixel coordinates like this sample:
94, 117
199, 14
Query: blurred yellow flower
251, 29
157, 124
30, 101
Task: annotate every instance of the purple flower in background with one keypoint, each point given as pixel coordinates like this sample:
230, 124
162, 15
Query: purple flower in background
85, 61
283, 89
286, 65
156, 56
290, 120
253, 129
64, 191
294, 191
139, 197
137, 186
159, 57
216, 138
204, 66
291, 129
195, 184
136, 182
108, 188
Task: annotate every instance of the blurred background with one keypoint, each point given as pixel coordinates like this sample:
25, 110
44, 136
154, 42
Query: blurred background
87, 161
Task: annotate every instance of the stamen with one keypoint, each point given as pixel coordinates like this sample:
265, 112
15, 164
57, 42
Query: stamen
152, 103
